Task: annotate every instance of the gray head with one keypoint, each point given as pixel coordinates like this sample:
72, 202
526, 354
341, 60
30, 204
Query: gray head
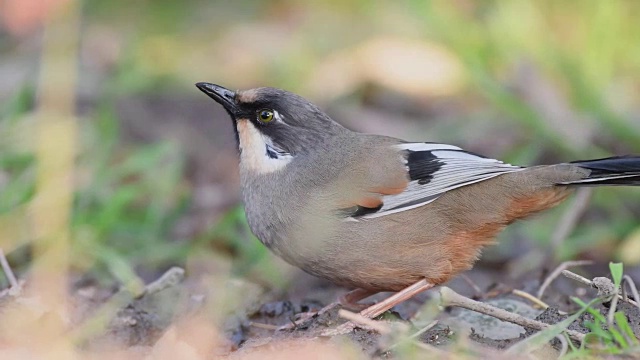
287, 123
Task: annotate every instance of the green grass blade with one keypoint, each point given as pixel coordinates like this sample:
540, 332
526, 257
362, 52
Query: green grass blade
616, 272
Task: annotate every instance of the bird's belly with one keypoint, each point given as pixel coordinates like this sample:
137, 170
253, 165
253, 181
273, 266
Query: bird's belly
367, 256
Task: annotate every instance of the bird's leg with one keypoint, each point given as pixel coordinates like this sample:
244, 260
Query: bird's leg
348, 300
379, 308
395, 299
351, 299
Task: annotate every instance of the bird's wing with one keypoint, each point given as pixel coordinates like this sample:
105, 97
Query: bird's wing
433, 169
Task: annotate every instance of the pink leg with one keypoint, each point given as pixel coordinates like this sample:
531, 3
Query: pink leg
379, 308
348, 300
395, 299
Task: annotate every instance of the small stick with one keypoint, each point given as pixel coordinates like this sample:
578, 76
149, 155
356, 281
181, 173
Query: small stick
473, 285
451, 298
533, 299
588, 282
363, 321
171, 277
263, 326
557, 271
293, 323
576, 277
13, 282
626, 280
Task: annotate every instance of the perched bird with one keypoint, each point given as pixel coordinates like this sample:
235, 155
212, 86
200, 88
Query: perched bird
377, 213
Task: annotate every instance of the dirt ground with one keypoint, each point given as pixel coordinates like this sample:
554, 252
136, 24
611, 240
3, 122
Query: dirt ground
251, 324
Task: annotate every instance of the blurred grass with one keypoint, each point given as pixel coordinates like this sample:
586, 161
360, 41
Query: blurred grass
129, 197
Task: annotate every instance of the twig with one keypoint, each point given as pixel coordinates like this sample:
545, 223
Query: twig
264, 326
292, 323
626, 280
13, 282
533, 299
576, 277
171, 277
570, 218
595, 284
365, 322
473, 285
451, 298
557, 271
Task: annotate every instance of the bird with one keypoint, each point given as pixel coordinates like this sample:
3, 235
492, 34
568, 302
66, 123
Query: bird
376, 213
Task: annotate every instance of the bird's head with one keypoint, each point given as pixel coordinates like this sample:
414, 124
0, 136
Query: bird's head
273, 124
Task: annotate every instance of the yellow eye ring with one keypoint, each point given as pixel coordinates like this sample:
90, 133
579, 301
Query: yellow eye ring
265, 115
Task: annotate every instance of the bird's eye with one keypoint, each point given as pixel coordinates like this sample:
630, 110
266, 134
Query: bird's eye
265, 115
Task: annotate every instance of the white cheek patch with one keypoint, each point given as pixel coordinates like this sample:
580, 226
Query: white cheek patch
257, 152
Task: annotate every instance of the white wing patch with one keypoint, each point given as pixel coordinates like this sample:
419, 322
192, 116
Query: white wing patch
435, 169
425, 147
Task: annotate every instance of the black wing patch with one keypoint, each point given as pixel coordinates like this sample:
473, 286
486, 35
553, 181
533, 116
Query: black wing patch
422, 166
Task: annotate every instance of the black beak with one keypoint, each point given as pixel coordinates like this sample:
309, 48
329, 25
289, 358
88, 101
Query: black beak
224, 97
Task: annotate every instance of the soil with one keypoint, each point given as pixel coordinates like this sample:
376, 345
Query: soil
252, 324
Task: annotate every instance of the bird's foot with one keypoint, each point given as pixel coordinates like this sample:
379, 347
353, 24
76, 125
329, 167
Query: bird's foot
379, 308
348, 300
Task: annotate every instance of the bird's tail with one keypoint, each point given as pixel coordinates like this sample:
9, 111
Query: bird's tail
617, 170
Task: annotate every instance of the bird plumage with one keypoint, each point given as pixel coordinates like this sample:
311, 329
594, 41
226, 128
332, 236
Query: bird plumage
380, 213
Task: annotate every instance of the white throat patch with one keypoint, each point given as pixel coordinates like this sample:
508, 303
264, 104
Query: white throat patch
257, 151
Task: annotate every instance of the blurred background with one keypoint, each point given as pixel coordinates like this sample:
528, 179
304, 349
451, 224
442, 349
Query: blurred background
106, 144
